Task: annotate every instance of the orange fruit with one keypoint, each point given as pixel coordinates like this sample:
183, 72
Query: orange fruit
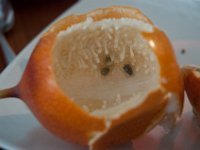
102, 78
191, 75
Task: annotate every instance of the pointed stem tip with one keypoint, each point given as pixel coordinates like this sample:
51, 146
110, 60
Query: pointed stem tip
9, 92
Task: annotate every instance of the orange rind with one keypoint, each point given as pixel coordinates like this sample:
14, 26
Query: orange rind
191, 75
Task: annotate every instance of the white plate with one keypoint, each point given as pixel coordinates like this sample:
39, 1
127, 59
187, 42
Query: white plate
180, 19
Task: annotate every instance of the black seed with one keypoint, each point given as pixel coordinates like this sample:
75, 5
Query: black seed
128, 69
108, 60
105, 71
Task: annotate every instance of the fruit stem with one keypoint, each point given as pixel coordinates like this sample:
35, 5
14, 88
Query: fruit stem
9, 92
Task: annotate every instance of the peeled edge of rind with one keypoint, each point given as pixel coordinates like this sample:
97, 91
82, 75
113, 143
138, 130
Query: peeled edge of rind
136, 120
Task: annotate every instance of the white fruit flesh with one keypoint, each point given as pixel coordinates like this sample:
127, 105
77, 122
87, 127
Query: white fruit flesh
107, 65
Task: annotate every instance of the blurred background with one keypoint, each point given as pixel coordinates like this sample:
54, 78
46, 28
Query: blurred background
31, 16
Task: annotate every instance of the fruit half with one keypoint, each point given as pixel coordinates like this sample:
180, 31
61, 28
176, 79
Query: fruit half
191, 75
102, 78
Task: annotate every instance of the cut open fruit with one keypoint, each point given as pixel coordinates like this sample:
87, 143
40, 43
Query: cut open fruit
102, 78
192, 86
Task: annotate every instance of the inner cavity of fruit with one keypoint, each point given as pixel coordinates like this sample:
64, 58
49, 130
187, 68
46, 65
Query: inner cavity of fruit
105, 65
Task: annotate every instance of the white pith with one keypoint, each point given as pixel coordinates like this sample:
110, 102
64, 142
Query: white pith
173, 105
79, 56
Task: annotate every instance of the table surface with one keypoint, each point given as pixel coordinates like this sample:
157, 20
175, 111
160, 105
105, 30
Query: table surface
30, 18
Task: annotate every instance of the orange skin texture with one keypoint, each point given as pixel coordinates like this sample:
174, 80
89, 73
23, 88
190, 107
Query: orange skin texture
39, 90
169, 68
192, 87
